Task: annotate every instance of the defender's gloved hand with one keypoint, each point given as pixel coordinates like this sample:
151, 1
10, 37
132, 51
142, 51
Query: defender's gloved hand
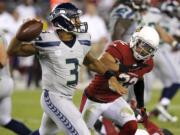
141, 114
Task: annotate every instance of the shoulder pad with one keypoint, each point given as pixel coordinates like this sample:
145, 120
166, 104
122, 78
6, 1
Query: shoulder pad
154, 10
46, 36
86, 36
84, 39
120, 42
123, 11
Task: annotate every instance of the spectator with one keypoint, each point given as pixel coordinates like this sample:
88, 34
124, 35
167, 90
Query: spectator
26, 10
98, 32
96, 27
6, 21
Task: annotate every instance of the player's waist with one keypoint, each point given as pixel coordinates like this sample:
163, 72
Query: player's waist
60, 94
60, 90
93, 98
101, 96
58, 82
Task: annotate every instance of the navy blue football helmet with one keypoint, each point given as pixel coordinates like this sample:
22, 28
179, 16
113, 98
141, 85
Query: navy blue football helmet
135, 4
170, 8
62, 16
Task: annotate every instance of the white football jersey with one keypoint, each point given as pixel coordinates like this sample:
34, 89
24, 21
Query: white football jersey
5, 70
124, 12
7, 25
152, 16
61, 64
171, 25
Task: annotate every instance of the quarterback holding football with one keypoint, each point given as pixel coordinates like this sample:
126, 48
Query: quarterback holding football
61, 53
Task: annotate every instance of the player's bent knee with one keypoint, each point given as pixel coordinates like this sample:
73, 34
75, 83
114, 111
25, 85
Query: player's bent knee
126, 114
81, 128
6, 90
84, 133
130, 127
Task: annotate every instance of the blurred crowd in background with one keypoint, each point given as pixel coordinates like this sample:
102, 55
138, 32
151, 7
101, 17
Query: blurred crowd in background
26, 71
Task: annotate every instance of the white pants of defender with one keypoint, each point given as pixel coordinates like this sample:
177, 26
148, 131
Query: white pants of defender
118, 111
6, 87
61, 114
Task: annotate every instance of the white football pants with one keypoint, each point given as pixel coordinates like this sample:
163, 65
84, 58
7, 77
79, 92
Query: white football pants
6, 88
61, 114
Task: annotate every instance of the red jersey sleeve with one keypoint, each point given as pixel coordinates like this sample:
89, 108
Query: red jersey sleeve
114, 51
148, 68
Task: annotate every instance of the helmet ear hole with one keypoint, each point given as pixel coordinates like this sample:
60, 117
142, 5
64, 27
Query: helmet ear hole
60, 21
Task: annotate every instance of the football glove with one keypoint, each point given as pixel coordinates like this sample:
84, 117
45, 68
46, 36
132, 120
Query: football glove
141, 114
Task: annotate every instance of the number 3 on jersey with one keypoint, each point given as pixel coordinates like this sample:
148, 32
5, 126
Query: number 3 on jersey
74, 71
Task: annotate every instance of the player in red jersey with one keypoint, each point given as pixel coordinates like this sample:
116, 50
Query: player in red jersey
130, 61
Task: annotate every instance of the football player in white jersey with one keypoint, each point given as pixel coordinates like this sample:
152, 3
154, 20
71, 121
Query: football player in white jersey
166, 66
61, 53
124, 18
6, 87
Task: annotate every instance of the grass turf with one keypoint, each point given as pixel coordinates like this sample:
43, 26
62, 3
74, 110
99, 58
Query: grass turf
26, 108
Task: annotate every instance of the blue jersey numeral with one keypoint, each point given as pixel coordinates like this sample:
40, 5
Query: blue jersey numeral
73, 71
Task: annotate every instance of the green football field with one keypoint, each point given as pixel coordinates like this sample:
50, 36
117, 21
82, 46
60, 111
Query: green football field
26, 108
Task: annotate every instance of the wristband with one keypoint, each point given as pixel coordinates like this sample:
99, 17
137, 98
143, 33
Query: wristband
123, 68
108, 74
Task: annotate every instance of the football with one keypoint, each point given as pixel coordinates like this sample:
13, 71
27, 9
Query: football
29, 30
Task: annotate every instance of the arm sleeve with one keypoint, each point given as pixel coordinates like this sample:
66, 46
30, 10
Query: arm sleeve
36, 40
1, 40
114, 51
139, 93
148, 67
86, 42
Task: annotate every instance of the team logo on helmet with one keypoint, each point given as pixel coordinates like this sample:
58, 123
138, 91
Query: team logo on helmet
66, 17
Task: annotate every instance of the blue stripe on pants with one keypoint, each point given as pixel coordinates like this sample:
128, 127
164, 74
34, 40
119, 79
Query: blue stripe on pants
59, 114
